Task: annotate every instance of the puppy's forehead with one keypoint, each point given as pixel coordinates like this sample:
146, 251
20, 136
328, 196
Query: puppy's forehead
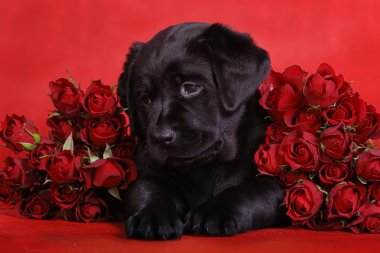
169, 45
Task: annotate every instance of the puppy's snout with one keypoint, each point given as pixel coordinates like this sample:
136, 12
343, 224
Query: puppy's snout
163, 137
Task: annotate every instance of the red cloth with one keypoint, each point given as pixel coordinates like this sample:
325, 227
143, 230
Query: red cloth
56, 236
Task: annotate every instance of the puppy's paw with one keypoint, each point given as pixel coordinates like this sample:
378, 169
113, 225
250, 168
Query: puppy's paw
155, 223
213, 219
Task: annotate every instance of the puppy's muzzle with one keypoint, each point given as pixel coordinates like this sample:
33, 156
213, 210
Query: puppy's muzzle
163, 137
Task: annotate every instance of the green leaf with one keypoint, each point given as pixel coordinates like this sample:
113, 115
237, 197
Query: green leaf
71, 78
113, 87
36, 137
28, 146
361, 180
91, 155
53, 114
321, 190
69, 144
107, 152
114, 192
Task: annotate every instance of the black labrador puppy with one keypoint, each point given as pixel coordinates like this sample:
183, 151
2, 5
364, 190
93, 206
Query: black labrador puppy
191, 94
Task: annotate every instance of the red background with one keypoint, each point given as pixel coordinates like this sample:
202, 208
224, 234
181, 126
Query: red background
39, 39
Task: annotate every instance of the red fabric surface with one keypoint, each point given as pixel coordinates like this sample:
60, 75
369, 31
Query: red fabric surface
19, 235
41, 38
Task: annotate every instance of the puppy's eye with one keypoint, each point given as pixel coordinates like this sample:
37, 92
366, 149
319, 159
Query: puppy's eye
145, 99
189, 89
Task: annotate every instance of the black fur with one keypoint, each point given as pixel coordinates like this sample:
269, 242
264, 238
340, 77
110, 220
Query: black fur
194, 153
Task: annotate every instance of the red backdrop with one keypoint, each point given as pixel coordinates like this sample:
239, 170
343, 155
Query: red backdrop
39, 39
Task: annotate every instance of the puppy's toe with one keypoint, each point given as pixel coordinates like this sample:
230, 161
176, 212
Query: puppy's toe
211, 220
154, 224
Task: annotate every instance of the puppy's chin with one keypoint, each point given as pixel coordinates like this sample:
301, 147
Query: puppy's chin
176, 159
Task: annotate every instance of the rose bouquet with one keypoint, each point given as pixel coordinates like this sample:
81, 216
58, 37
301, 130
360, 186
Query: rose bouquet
79, 170
321, 148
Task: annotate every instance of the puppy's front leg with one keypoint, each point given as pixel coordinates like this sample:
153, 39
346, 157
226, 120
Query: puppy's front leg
153, 210
251, 205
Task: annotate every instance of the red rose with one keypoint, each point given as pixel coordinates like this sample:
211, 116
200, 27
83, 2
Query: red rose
17, 130
125, 149
101, 131
282, 92
303, 201
42, 151
99, 100
60, 128
322, 88
275, 132
368, 221
300, 151
90, 209
374, 193
268, 160
346, 200
369, 127
321, 222
310, 120
368, 165
332, 173
289, 178
15, 172
336, 143
61, 167
104, 173
8, 195
130, 173
37, 205
65, 196
350, 110
65, 97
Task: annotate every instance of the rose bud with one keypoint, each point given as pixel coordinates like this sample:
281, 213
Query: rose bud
350, 110
125, 149
8, 195
291, 177
99, 100
303, 201
332, 173
346, 200
41, 151
275, 132
66, 97
90, 209
37, 205
101, 131
336, 143
279, 96
368, 165
369, 126
65, 196
15, 172
322, 88
104, 173
268, 160
374, 193
60, 128
19, 134
321, 222
300, 151
368, 221
310, 120
62, 167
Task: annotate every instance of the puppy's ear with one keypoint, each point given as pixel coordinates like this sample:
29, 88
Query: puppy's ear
125, 85
239, 65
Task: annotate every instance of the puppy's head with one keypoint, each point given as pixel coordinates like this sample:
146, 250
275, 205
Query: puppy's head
186, 88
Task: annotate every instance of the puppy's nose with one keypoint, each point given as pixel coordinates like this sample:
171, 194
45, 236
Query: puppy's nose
164, 137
